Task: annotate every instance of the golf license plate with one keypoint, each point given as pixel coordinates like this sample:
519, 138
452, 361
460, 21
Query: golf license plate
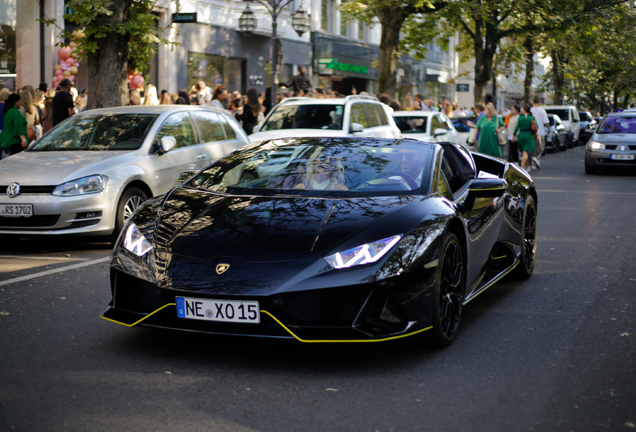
235, 311
622, 156
16, 210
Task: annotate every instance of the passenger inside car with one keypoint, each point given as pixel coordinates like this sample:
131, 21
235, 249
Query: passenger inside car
323, 172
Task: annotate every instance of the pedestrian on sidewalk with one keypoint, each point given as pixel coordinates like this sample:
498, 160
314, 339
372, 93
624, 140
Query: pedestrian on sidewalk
14, 130
489, 126
299, 82
543, 128
63, 103
523, 136
511, 124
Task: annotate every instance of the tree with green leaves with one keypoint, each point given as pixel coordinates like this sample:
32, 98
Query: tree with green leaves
119, 36
391, 14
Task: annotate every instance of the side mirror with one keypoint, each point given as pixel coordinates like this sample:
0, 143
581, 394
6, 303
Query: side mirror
185, 176
483, 188
256, 128
167, 144
356, 127
439, 132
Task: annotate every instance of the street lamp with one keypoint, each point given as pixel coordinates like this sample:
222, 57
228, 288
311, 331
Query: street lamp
300, 23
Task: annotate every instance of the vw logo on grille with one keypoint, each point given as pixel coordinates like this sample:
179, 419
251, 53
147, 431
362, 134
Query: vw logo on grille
13, 190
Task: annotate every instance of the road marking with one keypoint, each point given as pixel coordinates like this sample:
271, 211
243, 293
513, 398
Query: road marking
42, 258
53, 271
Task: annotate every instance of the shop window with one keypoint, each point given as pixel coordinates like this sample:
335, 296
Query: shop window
214, 70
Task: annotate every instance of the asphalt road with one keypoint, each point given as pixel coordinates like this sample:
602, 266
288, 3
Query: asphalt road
554, 353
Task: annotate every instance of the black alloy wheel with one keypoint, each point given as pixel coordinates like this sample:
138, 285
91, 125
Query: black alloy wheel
130, 200
449, 295
528, 241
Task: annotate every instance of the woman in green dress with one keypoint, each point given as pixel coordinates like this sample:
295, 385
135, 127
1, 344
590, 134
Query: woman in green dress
14, 132
524, 138
489, 126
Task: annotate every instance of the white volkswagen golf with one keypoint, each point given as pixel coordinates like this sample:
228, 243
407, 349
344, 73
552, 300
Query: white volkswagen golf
88, 175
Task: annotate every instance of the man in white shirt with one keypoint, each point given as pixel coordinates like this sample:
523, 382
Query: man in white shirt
543, 128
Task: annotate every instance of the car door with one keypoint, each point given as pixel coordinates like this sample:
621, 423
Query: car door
182, 158
214, 140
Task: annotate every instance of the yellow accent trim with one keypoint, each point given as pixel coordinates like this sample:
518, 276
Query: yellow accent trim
489, 189
343, 341
504, 256
288, 330
147, 316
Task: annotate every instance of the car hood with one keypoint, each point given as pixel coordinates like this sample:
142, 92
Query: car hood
295, 133
53, 168
203, 225
615, 138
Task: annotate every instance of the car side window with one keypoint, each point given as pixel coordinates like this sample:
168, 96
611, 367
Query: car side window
357, 115
229, 130
437, 123
449, 124
210, 126
384, 119
371, 113
178, 125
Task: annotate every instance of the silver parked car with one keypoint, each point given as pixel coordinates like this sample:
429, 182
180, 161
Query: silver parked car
89, 174
613, 144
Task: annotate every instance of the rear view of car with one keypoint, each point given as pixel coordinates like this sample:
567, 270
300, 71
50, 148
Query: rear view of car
588, 126
613, 144
569, 116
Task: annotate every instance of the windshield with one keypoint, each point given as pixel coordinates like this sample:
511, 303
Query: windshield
320, 166
585, 116
412, 124
618, 125
326, 117
564, 114
107, 132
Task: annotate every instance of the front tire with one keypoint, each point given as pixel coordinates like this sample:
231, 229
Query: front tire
449, 292
128, 203
528, 240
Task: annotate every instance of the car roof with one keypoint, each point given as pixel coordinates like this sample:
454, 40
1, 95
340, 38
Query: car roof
148, 109
559, 106
330, 101
414, 113
623, 114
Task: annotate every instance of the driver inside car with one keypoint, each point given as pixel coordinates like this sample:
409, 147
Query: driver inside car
410, 162
324, 172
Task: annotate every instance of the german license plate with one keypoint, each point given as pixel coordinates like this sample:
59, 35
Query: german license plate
622, 156
235, 311
16, 210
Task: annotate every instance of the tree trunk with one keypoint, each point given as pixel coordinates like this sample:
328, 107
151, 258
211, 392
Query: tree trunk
484, 54
108, 66
389, 52
557, 78
494, 85
528, 54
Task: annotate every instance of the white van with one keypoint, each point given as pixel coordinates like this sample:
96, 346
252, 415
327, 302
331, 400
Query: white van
569, 116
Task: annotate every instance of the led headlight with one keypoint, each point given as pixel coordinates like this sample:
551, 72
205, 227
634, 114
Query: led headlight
596, 145
364, 254
85, 185
135, 242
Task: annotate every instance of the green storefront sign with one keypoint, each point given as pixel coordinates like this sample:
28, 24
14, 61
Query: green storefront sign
333, 64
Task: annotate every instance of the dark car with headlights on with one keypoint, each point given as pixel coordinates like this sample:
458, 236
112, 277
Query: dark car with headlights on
326, 240
613, 144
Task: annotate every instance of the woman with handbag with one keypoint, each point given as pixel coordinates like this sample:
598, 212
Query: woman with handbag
14, 131
524, 137
30, 112
490, 127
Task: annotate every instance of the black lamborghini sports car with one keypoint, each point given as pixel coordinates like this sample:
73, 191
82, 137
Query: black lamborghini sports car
326, 240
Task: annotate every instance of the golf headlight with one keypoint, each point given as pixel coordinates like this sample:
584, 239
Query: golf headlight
596, 145
365, 254
85, 185
135, 242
